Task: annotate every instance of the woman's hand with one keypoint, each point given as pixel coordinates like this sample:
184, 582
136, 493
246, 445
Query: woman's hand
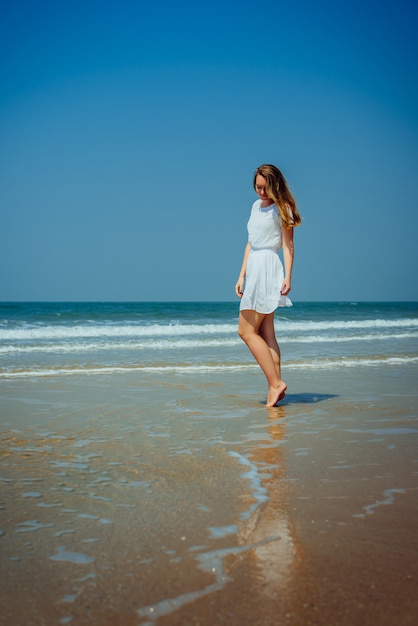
288, 254
239, 287
286, 287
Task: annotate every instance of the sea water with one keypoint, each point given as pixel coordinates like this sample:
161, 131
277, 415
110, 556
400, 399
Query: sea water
63, 339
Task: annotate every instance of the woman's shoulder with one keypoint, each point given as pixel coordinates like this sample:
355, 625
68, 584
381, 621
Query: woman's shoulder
255, 205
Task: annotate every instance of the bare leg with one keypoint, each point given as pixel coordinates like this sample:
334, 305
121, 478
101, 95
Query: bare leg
249, 331
267, 332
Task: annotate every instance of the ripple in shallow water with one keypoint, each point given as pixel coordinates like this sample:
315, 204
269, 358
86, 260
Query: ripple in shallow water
73, 557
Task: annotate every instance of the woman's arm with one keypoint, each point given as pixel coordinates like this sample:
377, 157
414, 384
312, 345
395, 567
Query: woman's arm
288, 255
239, 287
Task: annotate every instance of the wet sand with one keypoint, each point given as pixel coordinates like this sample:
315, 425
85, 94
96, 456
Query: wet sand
135, 500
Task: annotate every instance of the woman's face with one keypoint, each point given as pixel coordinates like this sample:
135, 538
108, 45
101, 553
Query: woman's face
260, 189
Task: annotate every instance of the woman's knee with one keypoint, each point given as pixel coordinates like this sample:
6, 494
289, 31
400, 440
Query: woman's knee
242, 333
245, 332
248, 325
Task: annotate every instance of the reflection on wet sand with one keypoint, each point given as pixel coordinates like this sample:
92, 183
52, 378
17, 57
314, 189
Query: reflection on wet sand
269, 529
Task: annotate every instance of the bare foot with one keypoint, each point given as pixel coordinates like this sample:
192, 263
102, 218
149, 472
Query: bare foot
276, 394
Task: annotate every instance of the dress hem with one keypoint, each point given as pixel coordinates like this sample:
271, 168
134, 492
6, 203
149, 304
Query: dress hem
286, 304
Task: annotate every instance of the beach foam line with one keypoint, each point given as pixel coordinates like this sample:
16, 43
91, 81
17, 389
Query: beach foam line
49, 332
110, 330
208, 367
180, 344
371, 361
128, 369
165, 344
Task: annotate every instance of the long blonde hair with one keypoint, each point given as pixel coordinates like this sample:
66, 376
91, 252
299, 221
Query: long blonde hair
278, 191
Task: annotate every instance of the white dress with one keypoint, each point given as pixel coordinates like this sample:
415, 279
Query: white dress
265, 275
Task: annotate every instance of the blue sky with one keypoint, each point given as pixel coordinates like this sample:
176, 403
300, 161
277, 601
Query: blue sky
129, 133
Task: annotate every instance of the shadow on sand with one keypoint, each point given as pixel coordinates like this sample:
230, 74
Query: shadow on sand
304, 398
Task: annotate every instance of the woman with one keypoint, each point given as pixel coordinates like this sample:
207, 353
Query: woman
270, 227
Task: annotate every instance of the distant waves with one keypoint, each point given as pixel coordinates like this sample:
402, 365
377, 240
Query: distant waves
141, 338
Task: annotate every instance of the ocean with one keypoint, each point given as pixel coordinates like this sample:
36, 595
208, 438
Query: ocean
144, 482
63, 339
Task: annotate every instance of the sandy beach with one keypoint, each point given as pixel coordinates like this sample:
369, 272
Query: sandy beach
138, 500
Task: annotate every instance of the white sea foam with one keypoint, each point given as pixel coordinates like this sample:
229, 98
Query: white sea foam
59, 332
210, 367
67, 347
109, 330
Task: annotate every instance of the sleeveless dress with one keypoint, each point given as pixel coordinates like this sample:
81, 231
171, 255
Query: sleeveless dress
265, 275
